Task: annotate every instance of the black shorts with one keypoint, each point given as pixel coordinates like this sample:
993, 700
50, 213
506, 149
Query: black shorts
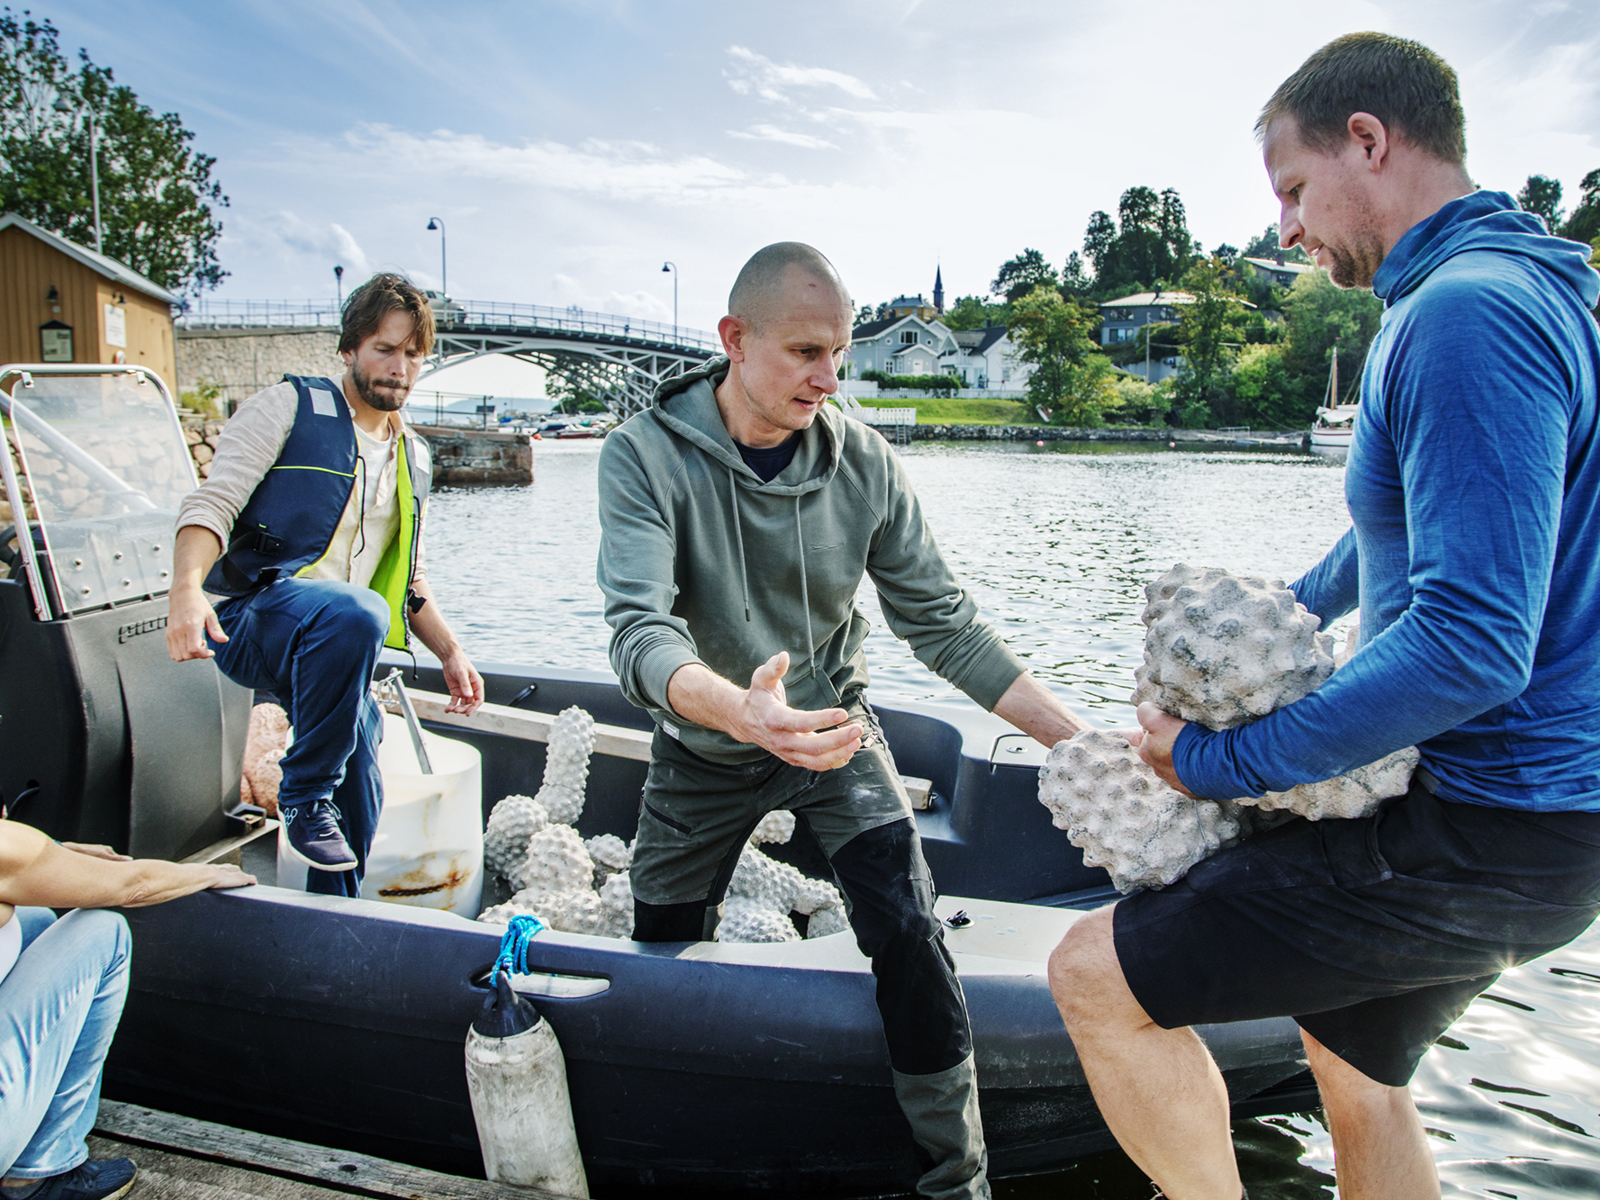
1373, 934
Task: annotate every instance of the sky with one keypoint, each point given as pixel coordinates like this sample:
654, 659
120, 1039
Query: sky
571, 148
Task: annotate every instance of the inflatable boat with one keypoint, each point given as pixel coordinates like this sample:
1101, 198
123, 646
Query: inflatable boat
693, 1067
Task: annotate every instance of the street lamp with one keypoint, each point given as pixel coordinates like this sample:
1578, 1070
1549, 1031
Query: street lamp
444, 277
338, 286
62, 106
673, 267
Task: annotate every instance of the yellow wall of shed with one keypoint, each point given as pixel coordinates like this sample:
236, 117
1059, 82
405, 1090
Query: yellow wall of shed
29, 268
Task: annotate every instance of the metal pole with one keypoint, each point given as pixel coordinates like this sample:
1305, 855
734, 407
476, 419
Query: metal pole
673, 267
94, 184
444, 275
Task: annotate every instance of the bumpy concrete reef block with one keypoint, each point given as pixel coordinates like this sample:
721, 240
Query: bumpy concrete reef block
579, 886
1220, 650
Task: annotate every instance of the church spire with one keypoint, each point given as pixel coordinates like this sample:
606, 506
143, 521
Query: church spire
938, 291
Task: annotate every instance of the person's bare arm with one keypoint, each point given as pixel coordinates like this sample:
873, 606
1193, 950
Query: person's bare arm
37, 871
189, 614
460, 676
1034, 709
759, 715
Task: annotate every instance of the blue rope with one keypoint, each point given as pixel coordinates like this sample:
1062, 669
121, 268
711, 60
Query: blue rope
514, 944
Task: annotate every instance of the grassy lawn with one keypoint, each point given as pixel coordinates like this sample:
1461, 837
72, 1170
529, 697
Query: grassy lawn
942, 410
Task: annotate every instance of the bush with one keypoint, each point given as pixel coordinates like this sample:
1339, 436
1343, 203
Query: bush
204, 398
1135, 402
914, 383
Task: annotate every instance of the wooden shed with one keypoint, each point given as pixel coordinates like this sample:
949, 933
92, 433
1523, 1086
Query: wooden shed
62, 302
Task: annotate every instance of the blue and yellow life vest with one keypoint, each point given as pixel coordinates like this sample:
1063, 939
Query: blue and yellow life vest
288, 524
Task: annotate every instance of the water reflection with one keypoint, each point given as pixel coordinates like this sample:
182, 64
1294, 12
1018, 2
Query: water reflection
1057, 544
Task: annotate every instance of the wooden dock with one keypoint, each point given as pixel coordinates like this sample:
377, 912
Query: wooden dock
183, 1159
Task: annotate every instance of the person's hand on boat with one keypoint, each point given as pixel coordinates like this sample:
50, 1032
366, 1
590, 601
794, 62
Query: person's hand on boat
1160, 731
464, 683
36, 870
189, 618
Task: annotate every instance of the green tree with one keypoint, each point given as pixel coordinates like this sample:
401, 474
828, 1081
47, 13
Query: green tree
157, 197
1266, 246
1147, 246
1055, 335
1208, 329
1075, 278
1584, 223
1320, 318
974, 312
1020, 275
1266, 395
1541, 196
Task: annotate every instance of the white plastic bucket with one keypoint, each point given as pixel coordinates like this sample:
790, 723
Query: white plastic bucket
428, 850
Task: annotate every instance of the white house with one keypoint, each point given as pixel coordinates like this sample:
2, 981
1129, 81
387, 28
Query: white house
916, 345
900, 345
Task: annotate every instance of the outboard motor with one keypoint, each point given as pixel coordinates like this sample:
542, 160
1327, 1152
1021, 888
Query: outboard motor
103, 738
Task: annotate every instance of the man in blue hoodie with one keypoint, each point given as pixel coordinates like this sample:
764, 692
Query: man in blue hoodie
1474, 488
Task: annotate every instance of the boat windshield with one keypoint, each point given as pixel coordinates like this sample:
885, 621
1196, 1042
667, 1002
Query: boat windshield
101, 463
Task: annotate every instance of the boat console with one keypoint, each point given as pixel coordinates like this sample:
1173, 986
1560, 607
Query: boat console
103, 738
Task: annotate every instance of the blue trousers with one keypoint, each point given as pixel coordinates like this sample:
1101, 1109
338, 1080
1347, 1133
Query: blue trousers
315, 643
59, 1008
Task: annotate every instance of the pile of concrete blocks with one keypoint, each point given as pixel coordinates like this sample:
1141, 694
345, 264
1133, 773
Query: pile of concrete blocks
532, 844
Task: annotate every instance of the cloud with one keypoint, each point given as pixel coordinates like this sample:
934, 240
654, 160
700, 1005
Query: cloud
755, 73
771, 133
612, 169
277, 232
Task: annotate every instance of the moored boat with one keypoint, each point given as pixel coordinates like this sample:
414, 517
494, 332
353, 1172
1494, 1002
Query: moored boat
695, 1066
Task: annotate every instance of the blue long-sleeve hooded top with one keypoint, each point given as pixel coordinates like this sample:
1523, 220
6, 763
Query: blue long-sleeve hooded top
1473, 483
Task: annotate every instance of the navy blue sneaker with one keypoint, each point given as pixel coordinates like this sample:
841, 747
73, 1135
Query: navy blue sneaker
312, 831
104, 1180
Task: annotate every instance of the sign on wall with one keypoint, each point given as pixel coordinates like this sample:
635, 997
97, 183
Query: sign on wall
116, 326
55, 342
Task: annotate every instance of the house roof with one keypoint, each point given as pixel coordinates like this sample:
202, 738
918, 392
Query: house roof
1269, 264
910, 302
874, 328
1146, 299
102, 264
991, 335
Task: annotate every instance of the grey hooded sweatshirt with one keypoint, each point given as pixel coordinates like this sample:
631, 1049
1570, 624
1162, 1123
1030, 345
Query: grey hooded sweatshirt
701, 562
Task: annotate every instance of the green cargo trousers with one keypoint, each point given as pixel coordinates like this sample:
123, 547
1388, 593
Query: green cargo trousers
695, 818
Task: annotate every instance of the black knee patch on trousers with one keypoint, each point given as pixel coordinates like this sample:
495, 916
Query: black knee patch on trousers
668, 922
883, 873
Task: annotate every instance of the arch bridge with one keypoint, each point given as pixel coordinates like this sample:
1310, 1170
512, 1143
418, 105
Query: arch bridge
620, 360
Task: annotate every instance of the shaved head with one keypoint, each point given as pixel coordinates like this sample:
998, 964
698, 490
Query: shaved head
764, 283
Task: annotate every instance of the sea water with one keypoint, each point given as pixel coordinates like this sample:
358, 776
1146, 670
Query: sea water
1056, 543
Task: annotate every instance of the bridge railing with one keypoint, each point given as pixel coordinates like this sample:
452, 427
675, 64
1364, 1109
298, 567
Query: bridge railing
453, 315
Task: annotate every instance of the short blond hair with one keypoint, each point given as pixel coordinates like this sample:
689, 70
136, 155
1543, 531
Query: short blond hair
1404, 84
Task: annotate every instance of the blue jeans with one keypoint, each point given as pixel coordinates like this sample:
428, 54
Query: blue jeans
314, 643
59, 1009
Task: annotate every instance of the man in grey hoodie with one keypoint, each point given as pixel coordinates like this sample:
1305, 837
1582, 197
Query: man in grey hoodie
737, 518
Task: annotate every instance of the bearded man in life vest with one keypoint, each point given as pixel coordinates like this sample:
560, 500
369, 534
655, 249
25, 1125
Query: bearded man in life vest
301, 557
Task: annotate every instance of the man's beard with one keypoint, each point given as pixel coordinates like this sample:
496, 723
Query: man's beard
367, 387
1355, 265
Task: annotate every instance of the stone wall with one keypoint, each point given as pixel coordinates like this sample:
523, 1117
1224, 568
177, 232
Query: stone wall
201, 435
468, 456
242, 362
